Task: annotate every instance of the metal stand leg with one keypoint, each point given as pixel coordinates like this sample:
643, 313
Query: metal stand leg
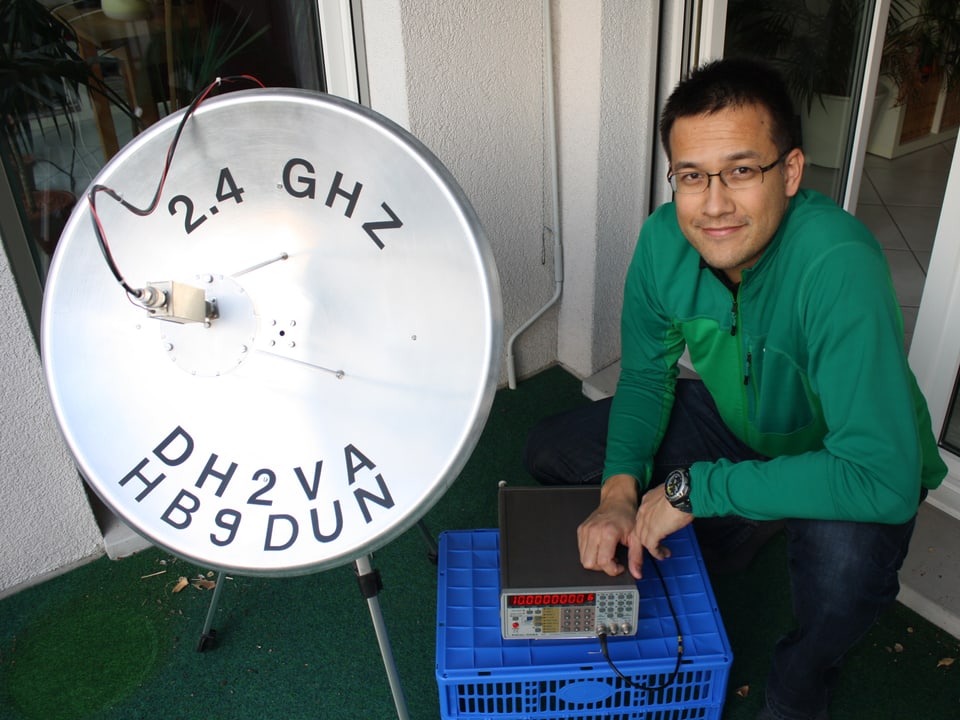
208, 635
370, 586
433, 552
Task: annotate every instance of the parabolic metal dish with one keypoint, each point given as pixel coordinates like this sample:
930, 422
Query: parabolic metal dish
351, 359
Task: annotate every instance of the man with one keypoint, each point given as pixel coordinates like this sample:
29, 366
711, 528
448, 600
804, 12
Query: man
806, 413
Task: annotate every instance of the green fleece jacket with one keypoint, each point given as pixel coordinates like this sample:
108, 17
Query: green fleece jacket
805, 361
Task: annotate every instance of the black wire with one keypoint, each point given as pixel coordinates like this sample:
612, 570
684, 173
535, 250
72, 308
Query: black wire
602, 636
143, 212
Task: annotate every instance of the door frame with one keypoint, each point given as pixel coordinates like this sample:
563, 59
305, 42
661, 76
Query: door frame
868, 91
935, 348
692, 32
341, 43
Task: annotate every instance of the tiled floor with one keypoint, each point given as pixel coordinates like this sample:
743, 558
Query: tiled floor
900, 202
68, 164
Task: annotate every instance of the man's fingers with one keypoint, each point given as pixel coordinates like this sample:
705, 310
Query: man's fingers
611, 566
599, 536
596, 555
660, 552
635, 559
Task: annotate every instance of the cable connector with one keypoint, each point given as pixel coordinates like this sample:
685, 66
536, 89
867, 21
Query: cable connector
605, 651
152, 296
174, 301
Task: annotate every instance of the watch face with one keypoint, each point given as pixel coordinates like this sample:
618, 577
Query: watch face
673, 484
351, 353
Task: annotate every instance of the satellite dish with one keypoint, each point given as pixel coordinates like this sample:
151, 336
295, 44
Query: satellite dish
344, 358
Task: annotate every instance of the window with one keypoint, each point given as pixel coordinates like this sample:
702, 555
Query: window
149, 58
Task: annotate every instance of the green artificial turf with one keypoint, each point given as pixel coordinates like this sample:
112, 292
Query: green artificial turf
111, 640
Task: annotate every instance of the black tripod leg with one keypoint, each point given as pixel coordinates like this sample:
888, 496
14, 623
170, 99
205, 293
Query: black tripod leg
209, 635
432, 551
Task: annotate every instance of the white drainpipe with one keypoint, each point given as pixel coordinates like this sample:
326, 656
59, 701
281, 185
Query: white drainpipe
557, 241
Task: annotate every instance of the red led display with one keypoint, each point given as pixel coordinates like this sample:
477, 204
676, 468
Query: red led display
550, 599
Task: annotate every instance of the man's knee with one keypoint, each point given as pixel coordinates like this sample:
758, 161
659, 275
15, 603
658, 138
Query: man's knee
568, 449
540, 454
846, 567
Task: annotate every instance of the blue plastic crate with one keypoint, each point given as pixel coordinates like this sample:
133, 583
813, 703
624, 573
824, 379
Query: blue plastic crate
481, 676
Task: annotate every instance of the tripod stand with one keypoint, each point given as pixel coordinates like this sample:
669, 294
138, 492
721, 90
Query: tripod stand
370, 585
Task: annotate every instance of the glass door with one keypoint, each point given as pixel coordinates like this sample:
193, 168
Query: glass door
829, 52
935, 350
99, 73
693, 32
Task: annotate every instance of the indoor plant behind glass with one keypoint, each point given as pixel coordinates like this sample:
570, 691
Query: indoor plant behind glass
41, 73
202, 41
920, 68
922, 45
813, 43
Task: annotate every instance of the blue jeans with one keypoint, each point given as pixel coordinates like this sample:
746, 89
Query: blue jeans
842, 574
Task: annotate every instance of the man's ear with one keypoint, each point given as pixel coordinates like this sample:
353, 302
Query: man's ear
793, 171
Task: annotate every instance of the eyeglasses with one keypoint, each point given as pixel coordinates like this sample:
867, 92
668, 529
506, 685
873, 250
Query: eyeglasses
740, 177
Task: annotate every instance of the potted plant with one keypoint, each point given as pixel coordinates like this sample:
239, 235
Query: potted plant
814, 46
202, 41
41, 73
922, 46
920, 68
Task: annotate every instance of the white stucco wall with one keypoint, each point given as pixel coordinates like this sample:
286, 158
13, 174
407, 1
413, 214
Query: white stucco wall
607, 100
468, 80
474, 80
385, 59
579, 50
45, 520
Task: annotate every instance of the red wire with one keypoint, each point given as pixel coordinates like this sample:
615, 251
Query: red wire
91, 196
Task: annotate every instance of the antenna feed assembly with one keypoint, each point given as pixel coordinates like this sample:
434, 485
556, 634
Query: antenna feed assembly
178, 302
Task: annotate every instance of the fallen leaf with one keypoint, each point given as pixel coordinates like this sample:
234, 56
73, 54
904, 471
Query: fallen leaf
181, 584
743, 690
201, 584
897, 647
946, 662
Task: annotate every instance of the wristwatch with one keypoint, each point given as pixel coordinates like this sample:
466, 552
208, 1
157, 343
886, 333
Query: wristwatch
677, 489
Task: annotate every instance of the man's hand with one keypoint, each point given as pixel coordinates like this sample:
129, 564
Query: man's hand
656, 519
618, 521
610, 525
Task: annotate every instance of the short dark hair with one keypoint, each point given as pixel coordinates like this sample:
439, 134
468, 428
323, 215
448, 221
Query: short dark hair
734, 82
